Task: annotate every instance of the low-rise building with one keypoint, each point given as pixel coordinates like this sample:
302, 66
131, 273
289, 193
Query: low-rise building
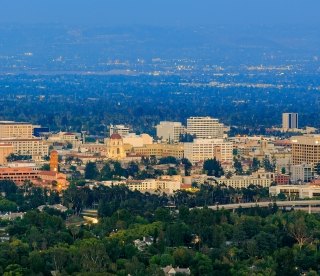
296, 191
302, 173
137, 140
19, 174
160, 150
35, 147
259, 178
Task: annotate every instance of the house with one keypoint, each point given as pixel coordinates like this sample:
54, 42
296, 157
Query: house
142, 244
171, 271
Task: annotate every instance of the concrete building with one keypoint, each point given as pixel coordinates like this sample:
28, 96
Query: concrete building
94, 148
5, 151
66, 138
170, 131
19, 174
259, 178
296, 191
306, 149
205, 127
203, 149
159, 150
302, 173
137, 140
122, 130
10, 129
290, 121
37, 148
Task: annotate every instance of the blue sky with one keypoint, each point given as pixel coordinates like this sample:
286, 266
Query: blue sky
161, 12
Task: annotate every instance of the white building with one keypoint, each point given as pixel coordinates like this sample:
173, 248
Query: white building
166, 184
205, 127
289, 121
203, 149
170, 131
297, 191
260, 178
122, 130
137, 140
302, 173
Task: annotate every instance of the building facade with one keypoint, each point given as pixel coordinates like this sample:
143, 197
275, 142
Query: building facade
10, 129
19, 174
37, 148
160, 150
115, 149
302, 173
305, 149
260, 178
170, 131
5, 151
122, 130
290, 121
203, 149
205, 127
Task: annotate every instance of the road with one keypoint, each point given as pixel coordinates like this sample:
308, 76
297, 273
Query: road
297, 203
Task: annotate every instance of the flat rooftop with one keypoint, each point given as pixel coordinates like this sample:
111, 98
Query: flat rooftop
13, 123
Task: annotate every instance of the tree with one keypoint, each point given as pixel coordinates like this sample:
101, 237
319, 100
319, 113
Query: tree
238, 166
213, 168
255, 164
182, 257
7, 205
298, 229
168, 160
91, 171
187, 166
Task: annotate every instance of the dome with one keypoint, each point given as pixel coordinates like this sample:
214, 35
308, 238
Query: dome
115, 136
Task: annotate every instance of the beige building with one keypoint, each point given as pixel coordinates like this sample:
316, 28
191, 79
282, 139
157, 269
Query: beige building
170, 131
306, 149
10, 129
66, 137
5, 151
260, 178
35, 147
115, 148
203, 149
205, 127
94, 148
137, 140
159, 150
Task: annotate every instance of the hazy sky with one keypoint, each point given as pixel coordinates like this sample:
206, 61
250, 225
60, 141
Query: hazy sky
161, 12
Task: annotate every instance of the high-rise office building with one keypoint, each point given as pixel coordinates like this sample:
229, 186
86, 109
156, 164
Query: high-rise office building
305, 149
205, 127
290, 121
170, 131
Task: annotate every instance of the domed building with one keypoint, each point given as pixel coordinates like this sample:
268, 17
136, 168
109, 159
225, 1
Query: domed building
115, 149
